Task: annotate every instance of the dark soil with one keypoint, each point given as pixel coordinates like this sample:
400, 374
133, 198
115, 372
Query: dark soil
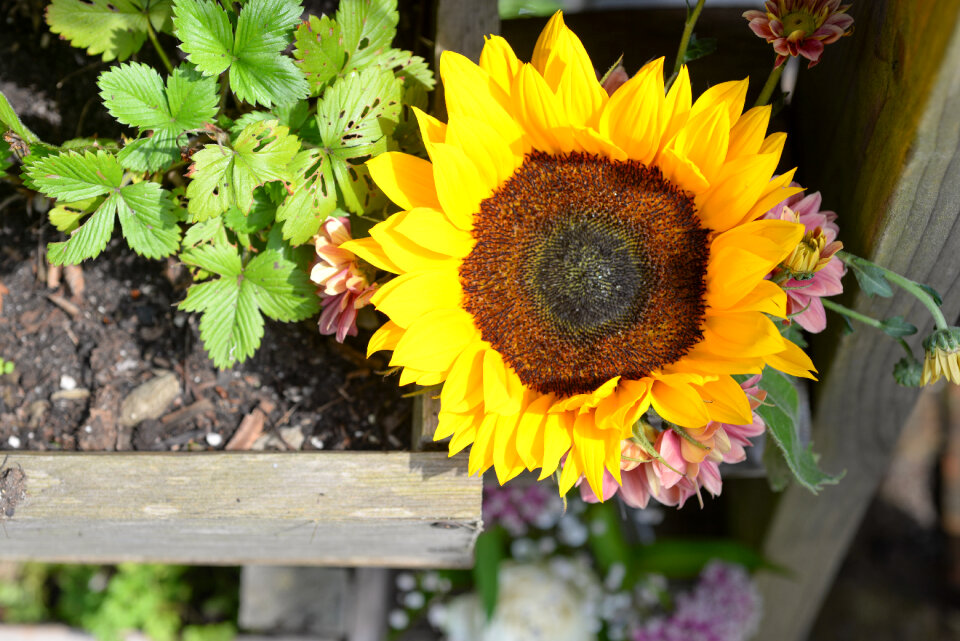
79, 353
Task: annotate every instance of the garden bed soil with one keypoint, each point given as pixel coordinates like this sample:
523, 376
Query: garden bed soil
83, 340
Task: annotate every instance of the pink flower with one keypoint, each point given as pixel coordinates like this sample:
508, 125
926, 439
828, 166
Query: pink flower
800, 27
683, 468
819, 246
344, 288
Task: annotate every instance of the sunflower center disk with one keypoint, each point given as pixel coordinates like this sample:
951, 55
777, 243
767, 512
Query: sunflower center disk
584, 269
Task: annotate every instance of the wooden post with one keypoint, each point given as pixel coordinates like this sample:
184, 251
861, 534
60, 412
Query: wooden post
461, 27
331, 508
888, 161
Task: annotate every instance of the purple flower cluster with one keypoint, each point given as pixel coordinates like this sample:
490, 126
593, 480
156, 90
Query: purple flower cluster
518, 507
724, 606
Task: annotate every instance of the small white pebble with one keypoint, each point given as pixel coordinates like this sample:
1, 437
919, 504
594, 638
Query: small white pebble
68, 382
30, 435
372, 419
213, 439
316, 442
88, 429
196, 379
13, 442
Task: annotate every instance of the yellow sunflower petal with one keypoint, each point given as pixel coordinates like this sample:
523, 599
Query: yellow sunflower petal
777, 190
470, 91
405, 179
386, 337
557, 437
530, 431
589, 449
731, 95
541, 113
481, 452
726, 401
459, 186
434, 341
677, 402
766, 297
732, 273
631, 118
432, 230
748, 133
502, 390
735, 189
740, 334
704, 140
403, 253
431, 129
506, 461
676, 107
770, 239
410, 375
371, 251
463, 389
498, 60
409, 296
464, 438
570, 475
792, 360
494, 157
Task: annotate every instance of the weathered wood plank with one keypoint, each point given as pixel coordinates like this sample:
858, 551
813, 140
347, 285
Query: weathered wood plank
911, 224
332, 508
461, 27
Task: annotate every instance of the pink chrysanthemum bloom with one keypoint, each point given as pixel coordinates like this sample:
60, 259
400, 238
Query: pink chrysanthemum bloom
344, 287
815, 269
800, 27
684, 466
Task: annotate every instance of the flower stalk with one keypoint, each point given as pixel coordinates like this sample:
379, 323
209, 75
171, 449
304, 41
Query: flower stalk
910, 286
156, 45
768, 87
692, 17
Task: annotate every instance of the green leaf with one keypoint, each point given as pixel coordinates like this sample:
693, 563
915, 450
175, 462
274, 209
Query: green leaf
259, 72
778, 472
870, 278
224, 176
319, 51
354, 119
71, 176
134, 94
699, 48
489, 552
606, 538
780, 415
368, 27
145, 209
898, 327
231, 325
9, 118
65, 218
934, 294
313, 199
259, 217
114, 28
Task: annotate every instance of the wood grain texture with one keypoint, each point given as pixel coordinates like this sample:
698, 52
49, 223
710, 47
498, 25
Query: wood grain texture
350, 508
461, 27
899, 201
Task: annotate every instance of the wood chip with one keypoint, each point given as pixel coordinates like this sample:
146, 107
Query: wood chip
186, 413
53, 276
3, 292
64, 304
73, 274
251, 428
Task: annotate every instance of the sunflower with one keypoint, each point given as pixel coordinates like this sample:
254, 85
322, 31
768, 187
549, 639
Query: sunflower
567, 260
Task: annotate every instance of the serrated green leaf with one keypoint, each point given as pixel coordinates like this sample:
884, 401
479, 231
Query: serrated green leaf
114, 28
86, 242
71, 176
12, 121
319, 51
898, 327
272, 283
870, 278
204, 232
6, 156
780, 415
64, 218
367, 28
135, 95
777, 471
222, 176
146, 219
354, 120
259, 72
205, 34
313, 199
261, 214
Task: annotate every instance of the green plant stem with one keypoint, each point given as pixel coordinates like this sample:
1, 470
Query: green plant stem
767, 90
692, 17
156, 45
862, 318
911, 287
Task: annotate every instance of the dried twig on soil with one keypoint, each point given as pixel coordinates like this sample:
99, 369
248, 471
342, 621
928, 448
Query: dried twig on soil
251, 427
186, 413
64, 304
73, 274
